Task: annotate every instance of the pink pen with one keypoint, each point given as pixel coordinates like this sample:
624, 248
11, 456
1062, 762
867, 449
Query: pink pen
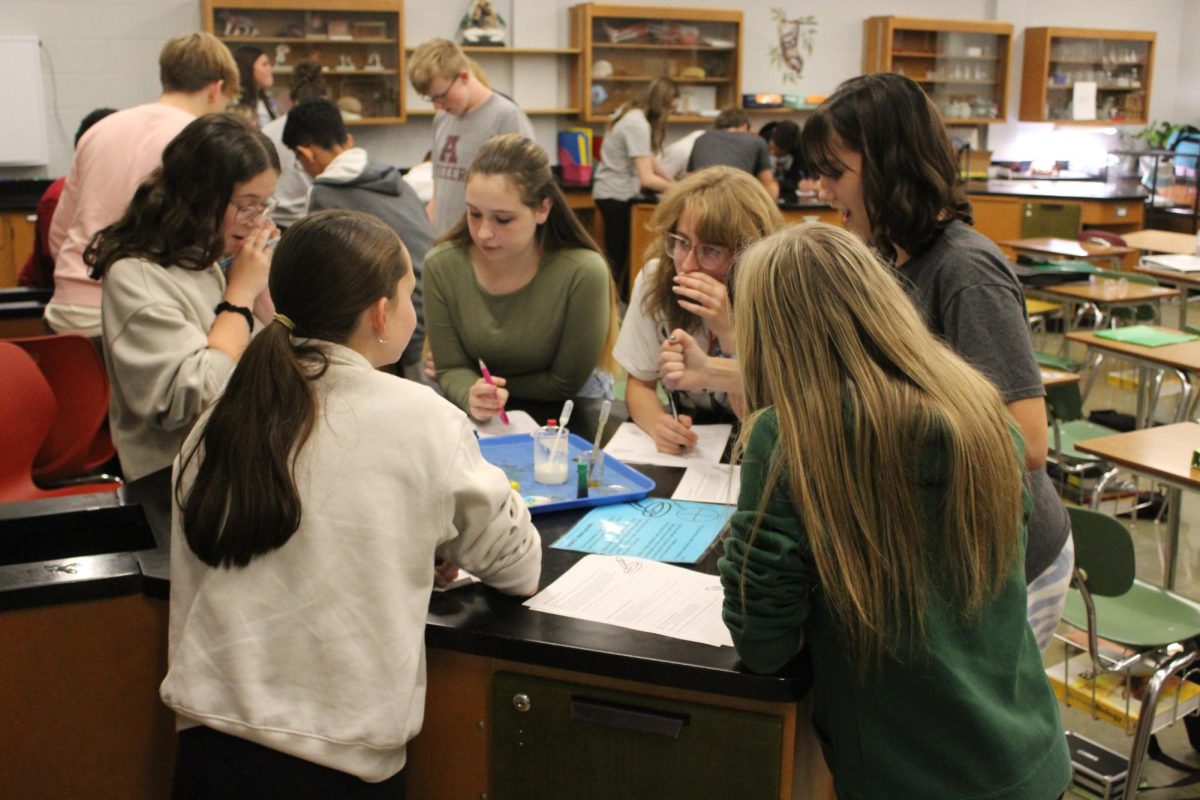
487, 376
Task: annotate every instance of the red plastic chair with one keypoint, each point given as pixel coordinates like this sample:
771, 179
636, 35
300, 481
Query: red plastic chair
27, 408
78, 444
1103, 237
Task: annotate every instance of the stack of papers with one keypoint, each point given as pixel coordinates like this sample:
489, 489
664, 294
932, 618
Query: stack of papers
1178, 263
640, 595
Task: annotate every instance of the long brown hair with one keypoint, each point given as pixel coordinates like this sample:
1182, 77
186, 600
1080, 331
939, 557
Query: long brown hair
730, 208
656, 104
911, 183
329, 267
525, 165
863, 394
175, 216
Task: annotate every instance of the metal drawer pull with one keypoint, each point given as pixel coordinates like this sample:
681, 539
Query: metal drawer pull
660, 723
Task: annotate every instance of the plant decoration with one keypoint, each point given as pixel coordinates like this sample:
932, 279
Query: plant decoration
795, 42
1157, 134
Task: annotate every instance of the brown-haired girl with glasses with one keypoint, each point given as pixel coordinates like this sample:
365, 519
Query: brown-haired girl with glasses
700, 226
175, 317
310, 504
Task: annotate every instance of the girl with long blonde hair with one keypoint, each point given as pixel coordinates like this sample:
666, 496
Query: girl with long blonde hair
699, 227
881, 524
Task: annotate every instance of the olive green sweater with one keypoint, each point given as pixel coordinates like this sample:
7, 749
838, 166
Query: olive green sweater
544, 339
973, 717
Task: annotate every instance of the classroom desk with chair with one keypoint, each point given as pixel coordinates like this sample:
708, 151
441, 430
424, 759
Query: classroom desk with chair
1164, 454
1051, 247
498, 674
1170, 242
1183, 359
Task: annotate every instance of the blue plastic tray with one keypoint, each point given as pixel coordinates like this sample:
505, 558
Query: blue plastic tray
514, 455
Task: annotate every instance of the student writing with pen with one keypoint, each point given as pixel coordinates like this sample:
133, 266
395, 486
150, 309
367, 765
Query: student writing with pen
519, 284
700, 226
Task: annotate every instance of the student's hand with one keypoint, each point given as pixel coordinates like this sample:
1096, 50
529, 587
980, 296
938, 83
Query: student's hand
247, 276
485, 401
682, 363
707, 298
444, 573
674, 437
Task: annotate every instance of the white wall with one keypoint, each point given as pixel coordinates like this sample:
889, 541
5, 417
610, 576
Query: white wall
106, 53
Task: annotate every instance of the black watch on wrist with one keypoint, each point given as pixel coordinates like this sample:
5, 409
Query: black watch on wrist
225, 305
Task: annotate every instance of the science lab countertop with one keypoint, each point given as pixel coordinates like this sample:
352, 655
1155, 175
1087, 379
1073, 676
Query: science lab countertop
476, 619
1059, 190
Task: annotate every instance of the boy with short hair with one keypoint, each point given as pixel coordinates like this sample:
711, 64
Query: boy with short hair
344, 177
732, 143
468, 114
198, 76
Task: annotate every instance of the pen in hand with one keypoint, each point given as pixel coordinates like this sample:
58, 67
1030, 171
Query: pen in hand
487, 377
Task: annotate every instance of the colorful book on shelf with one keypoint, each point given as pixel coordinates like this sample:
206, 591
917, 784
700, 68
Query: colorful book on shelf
1174, 263
1118, 698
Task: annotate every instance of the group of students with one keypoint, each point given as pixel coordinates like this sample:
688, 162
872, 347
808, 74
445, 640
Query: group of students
893, 435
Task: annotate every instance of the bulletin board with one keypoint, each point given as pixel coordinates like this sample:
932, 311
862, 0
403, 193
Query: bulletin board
23, 121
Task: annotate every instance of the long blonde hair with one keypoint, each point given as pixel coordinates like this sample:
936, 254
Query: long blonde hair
729, 207
656, 104
862, 392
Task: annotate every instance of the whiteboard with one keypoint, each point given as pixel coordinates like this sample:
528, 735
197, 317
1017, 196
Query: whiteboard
22, 103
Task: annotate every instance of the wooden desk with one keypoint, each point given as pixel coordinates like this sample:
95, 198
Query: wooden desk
1165, 454
1183, 359
1104, 295
1068, 248
1181, 281
1151, 241
1052, 378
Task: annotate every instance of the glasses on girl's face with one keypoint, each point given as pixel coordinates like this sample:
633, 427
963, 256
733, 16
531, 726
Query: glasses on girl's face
708, 256
249, 214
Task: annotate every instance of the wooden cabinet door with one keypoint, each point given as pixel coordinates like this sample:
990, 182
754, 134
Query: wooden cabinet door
553, 739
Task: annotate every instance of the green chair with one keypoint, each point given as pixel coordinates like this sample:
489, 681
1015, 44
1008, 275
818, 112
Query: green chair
1064, 407
1156, 628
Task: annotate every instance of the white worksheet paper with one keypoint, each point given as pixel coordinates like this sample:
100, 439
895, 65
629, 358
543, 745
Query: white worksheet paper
710, 483
518, 422
641, 595
631, 444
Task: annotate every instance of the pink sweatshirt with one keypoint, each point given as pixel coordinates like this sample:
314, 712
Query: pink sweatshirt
112, 159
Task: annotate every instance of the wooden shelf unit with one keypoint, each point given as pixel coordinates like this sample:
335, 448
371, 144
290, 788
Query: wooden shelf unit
668, 41
1119, 62
521, 73
961, 64
371, 27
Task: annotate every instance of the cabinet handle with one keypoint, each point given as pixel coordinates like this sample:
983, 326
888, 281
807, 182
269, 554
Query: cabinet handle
521, 702
598, 712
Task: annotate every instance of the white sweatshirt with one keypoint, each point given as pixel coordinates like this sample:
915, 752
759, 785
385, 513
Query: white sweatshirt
317, 648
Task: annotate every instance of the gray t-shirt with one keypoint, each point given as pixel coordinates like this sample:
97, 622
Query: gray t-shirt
616, 174
969, 296
456, 140
739, 149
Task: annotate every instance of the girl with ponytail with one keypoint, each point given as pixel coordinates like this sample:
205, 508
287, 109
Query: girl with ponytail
310, 504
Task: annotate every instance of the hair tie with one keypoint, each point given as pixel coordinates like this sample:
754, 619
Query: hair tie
283, 320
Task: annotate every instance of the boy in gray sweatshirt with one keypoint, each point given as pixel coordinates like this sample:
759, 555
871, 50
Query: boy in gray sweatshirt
344, 177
